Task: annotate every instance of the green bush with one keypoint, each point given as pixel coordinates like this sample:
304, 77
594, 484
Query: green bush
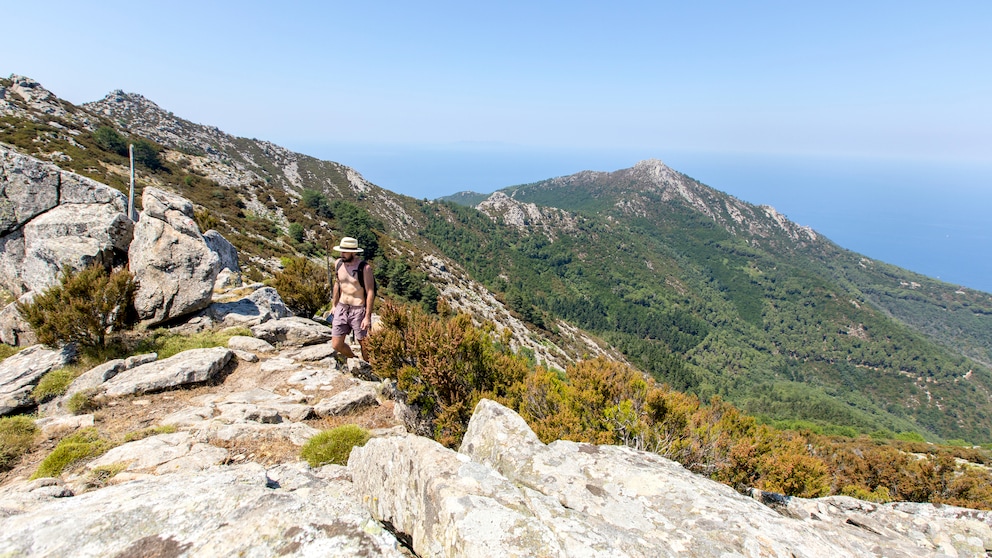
83, 444
54, 383
334, 445
16, 436
85, 308
303, 286
111, 140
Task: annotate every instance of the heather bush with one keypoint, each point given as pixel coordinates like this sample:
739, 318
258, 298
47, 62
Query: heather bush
333, 446
303, 286
445, 365
85, 307
17, 433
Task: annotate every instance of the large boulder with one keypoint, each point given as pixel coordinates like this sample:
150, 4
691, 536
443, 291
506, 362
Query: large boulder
293, 331
173, 265
505, 493
260, 306
50, 218
188, 367
77, 235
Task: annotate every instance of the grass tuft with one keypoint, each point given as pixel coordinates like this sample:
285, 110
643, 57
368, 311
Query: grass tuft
334, 445
84, 444
17, 434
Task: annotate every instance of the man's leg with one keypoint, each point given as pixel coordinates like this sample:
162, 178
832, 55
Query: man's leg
339, 345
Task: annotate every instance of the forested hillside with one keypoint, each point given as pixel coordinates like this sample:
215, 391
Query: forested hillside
716, 296
701, 291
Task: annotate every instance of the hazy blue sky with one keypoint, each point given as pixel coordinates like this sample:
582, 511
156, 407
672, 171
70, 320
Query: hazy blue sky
870, 121
866, 78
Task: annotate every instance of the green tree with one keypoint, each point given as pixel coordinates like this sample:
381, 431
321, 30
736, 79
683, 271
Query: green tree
145, 153
110, 139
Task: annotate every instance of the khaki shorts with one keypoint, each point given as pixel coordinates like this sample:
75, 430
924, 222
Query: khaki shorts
347, 319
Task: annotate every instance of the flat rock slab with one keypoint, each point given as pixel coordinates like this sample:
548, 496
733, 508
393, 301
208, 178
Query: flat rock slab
165, 453
188, 367
224, 511
20, 373
348, 401
293, 331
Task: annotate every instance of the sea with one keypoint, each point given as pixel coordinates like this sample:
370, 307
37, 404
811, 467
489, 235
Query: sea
931, 217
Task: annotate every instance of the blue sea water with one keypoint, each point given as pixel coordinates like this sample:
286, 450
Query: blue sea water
929, 217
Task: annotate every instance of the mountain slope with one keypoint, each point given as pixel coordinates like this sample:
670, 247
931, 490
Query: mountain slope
695, 287
719, 296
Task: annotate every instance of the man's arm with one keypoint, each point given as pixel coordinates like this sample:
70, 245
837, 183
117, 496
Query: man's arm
369, 296
336, 288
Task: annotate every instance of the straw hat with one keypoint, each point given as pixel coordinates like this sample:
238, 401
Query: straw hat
348, 244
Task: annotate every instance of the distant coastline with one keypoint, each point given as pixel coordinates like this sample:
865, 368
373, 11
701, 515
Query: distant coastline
928, 217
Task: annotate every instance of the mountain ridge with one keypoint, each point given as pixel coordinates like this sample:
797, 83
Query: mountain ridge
699, 289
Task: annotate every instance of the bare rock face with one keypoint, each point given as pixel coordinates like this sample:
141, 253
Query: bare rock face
226, 251
505, 493
20, 373
231, 511
50, 218
173, 265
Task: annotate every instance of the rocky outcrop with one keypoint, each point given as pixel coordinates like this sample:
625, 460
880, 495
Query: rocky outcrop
505, 493
19, 374
243, 510
50, 218
170, 260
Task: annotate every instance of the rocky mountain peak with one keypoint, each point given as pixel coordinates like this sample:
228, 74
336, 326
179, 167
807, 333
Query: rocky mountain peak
31, 94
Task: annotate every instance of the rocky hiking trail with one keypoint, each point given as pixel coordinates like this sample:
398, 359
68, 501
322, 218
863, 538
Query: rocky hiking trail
226, 479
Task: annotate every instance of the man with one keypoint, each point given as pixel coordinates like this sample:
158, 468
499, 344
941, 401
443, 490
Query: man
353, 297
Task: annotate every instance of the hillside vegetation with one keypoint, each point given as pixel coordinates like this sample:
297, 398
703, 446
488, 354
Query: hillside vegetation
703, 292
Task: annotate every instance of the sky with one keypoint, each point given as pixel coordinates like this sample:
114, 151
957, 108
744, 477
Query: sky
518, 91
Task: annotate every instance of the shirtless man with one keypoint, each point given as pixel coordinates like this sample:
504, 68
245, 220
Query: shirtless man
352, 303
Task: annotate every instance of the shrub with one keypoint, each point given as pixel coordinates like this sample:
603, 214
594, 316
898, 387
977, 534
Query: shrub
54, 383
82, 402
72, 449
303, 286
145, 153
84, 308
334, 445
16, 436
111, 140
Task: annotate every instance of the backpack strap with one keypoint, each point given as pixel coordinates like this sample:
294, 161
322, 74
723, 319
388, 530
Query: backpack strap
361, 272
